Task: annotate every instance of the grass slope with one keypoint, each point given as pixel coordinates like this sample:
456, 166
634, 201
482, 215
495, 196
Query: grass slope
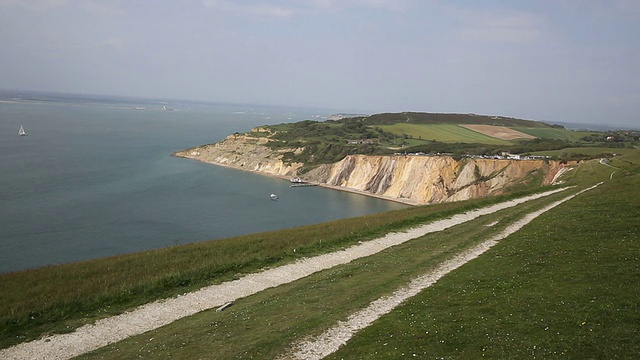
61, 298
439, 118
264, 325
554, 133
560, 287
585, 151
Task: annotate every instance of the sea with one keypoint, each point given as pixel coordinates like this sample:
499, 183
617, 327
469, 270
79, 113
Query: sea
95, 177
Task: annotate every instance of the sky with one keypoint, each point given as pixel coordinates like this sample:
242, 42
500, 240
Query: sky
575, 61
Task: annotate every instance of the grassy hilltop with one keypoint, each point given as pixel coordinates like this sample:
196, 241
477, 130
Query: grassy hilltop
455, 134
564, 285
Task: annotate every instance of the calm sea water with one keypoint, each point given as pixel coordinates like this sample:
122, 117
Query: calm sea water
95, 178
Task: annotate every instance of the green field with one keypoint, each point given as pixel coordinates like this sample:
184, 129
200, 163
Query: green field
447, 133
563, 287
586, 151
553, 133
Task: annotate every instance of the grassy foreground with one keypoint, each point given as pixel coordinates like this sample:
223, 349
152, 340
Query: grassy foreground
265, 325
58, 299
573, 265
564, 286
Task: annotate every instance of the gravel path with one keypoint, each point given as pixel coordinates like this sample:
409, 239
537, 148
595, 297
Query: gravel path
159, 313
329, 341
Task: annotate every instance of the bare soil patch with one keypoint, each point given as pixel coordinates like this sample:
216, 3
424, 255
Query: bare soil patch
500, 132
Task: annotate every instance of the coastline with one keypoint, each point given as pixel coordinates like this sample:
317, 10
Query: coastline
282, 177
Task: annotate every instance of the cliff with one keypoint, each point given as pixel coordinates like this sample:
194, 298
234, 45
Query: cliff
245, 152
411, 179
431, 179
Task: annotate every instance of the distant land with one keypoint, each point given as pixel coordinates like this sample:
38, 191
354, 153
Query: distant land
10, 95
596, 127
568, 125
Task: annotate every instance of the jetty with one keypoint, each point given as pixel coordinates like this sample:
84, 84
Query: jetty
301, 185
297, 182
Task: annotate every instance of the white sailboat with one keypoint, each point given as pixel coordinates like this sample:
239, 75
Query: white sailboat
21, 132
274, 197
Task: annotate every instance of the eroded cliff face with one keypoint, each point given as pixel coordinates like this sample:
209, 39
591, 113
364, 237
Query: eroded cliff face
430, 179
244, 152
413, 179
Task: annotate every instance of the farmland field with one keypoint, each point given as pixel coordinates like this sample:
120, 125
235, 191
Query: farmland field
448, 133
553, 133
500, 132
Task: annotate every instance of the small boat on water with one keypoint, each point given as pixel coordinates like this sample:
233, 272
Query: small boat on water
274, 197
21, 132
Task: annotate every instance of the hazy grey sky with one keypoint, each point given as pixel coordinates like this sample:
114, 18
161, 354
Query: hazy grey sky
554, 60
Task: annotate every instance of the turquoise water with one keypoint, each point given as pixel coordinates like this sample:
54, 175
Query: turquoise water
95, 178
